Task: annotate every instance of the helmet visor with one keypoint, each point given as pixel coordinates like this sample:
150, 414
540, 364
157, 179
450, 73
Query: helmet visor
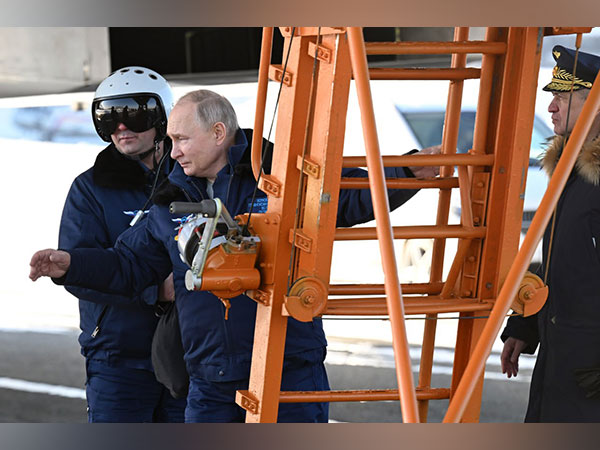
138, 113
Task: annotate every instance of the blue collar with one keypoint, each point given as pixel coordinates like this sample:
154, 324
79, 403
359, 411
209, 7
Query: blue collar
234, 156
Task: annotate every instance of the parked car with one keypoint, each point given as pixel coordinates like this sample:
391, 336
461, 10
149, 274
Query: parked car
58, 118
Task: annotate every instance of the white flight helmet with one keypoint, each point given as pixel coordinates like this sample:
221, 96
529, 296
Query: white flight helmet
138, 97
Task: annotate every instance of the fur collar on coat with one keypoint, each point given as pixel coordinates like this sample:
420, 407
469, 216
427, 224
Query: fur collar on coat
587, 163
113, 170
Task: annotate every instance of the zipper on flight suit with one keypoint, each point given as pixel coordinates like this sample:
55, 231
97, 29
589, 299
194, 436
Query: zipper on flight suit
100, 317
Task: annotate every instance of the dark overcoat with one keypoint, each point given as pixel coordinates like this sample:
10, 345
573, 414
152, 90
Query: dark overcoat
567, 328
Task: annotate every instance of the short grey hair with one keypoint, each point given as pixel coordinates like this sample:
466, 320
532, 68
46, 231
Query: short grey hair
584, 93
212, 108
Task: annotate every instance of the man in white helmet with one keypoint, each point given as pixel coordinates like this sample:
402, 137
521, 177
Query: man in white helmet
130, 111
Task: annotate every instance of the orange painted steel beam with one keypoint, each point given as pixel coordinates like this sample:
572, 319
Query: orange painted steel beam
512, 110
434, 48
311, 124
532, 238
423, 74
424, 160
403, 183
379, 289
468, 330
261, 401
453, 105
408, 401
449, 144
412, 306
457, 265
411, 232
324, 147
261, 99
463, 244
483, 100
369, 395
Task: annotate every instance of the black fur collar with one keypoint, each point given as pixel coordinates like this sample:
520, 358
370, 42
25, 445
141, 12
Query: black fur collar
113, 170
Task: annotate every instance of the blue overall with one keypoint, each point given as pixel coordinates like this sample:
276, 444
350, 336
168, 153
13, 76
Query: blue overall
116, 329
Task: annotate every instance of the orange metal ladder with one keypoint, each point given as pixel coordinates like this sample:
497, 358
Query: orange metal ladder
299, 235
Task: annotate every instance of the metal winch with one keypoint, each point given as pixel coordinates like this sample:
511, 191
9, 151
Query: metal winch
220, 253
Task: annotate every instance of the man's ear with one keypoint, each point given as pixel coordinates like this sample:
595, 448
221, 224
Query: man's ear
220, 132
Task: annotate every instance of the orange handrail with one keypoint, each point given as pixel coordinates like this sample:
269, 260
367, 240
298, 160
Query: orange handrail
261, 99
434, 48
424, 160
408, 401
411, 232
423, 74
373, 395
402, 183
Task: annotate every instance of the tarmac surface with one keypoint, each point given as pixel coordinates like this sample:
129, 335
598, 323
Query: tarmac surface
42, 379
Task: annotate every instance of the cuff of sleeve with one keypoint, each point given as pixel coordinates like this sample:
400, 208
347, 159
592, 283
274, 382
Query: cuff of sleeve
521, 328
409, 173
60, 281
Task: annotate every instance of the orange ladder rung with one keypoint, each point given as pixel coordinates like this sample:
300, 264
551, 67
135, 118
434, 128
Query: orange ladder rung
376, 306
402, 183
412, 232
379, 289
423, 160
373, 395
434, 48
392, 73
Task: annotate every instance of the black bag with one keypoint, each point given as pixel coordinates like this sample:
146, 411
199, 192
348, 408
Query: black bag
167, 354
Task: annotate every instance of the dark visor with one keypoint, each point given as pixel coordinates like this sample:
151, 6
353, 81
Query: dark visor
138, 113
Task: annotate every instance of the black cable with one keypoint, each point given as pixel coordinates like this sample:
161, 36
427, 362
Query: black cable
562, 147
291, 271
140, 212
265, 144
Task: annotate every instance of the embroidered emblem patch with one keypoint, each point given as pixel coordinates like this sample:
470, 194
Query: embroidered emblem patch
133, 213
260, 205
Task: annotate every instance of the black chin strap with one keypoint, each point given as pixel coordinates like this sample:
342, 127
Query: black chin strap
143, 155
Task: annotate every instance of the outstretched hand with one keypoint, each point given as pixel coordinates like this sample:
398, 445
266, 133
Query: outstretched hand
427, 171
509, 359
49, 263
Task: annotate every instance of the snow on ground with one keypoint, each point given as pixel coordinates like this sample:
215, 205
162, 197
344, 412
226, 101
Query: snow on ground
36, 179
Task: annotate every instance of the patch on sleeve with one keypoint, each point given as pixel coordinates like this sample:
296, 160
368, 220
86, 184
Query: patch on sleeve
133, 213
260, 205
